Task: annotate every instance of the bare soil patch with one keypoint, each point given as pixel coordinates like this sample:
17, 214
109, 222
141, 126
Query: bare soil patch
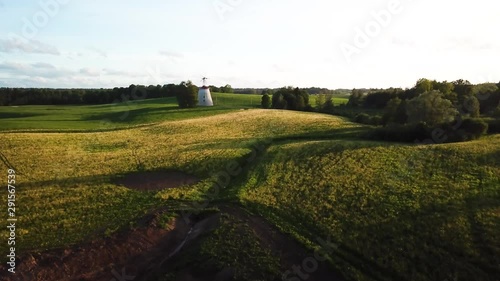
134, 254
153, 181
150, 251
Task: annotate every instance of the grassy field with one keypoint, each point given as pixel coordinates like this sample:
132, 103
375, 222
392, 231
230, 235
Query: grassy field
65, 178
114, 116
397, 212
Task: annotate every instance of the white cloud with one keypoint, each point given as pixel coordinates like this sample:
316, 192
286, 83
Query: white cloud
171, 54
27, 46
97, 51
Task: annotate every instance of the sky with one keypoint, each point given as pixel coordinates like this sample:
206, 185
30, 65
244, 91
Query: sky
247, 43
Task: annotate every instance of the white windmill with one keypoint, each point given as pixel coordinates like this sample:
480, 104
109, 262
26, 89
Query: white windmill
204, 96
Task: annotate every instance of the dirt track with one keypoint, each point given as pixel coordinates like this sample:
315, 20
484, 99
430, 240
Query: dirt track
148, 251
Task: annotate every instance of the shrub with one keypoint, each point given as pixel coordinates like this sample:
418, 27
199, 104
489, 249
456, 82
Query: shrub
376, 120
309, 108
494, 126
431, 108
266, 101
470, 129
400, 133
362, 118
474, 128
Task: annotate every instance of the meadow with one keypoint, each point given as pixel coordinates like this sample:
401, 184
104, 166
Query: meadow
396, 211
114, 116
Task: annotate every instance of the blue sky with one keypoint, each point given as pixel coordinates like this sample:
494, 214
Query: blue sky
258, 43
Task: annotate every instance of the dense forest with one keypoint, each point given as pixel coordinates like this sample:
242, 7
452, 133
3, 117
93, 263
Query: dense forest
36, 96
431, 111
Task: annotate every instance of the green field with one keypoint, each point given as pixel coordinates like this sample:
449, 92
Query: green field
396, 211
113, 116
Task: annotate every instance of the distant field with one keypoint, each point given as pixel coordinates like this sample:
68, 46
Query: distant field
113, 116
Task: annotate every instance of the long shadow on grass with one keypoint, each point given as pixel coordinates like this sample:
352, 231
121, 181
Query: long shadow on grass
126, 115
12, 115
69, 181
346, 254
408, 243
387, 236
123, 114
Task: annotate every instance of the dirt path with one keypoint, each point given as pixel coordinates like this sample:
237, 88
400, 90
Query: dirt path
291, 253
149, 251
123, 256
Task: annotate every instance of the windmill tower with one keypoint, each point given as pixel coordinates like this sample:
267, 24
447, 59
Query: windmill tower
204, 96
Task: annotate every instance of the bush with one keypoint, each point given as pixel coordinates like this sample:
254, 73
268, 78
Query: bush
266, 101
400, 133
308, 108
362, 118
496, 113
376, 120
493, 126
474, 128
470, 129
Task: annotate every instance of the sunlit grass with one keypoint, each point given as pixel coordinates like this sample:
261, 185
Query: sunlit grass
399, 211
65, 180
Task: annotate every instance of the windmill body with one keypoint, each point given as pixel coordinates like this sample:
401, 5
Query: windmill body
204, 96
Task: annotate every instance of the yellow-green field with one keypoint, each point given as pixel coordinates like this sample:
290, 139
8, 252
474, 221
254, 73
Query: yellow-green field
64, 178
397, 212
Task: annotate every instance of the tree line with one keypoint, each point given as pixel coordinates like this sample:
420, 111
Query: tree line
457, 110
41, 96
310, 91
286, 98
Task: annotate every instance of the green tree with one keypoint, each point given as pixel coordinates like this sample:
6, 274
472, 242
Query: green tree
356, 98
463, 89
278, 102
391, 110
320, 100
444, 87
329, 106
431, 108
187, 95
401, 116
227, 89
290, 98
472, 106
266, 101
423, 85
485, 88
